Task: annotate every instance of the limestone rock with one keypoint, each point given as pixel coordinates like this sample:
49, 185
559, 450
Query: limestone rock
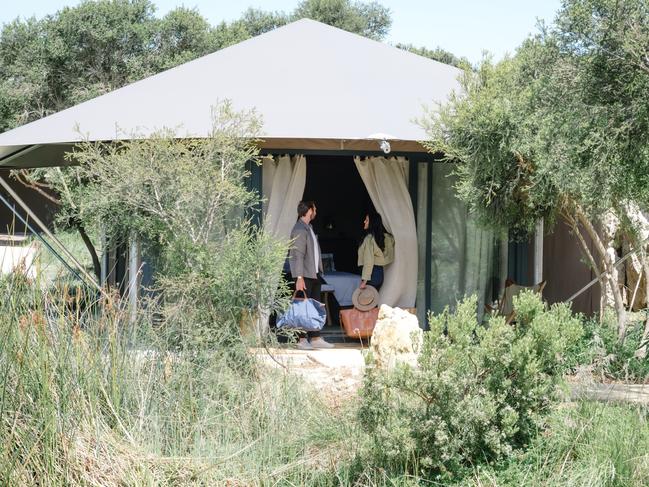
397, 338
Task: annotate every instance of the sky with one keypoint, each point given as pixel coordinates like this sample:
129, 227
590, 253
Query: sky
465, 27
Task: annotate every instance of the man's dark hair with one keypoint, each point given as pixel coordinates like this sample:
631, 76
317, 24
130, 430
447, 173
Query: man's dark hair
303, 207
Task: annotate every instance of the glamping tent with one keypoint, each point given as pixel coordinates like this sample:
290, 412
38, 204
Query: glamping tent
339, 126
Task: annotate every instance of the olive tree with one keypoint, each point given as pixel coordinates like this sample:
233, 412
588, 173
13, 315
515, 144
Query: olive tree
187, 202
559, 130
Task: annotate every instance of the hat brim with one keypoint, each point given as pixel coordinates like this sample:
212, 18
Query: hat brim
365, 307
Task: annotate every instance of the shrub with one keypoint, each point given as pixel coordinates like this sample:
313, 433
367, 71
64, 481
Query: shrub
187, 203
478, 393
205, 303
608, 357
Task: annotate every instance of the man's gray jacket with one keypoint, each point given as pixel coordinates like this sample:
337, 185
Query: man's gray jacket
301, 256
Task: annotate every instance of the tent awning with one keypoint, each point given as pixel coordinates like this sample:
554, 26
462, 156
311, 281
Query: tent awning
54, 154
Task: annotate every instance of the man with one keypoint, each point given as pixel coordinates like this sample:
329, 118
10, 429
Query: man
306, 264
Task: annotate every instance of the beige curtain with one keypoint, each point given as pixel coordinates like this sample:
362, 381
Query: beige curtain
283, 183
386, 180
462, 252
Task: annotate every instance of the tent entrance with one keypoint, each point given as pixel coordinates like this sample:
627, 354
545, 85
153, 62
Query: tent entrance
342, 201
454, 257
334, 184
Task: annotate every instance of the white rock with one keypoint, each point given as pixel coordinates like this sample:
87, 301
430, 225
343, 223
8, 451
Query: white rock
397, 338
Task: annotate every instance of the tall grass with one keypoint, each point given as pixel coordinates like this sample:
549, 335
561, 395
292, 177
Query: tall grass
89, 398
586, 444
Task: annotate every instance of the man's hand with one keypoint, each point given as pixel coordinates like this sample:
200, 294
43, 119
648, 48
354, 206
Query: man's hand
363, 284
299, 284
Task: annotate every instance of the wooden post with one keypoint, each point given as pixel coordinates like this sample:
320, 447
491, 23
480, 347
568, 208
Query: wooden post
538, 252
503, 262
133, 276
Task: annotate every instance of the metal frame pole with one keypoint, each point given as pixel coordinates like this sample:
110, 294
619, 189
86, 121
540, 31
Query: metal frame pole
538, 252
47, 232
45, 242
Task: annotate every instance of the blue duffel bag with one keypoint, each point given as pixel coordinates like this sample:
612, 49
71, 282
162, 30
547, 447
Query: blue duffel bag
304, 314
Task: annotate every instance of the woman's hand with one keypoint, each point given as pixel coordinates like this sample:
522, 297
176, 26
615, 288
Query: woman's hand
363, 284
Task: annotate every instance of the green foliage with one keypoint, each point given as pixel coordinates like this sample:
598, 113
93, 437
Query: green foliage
20, 287
49, 382
95, 398
187, 202
167, 189
585, 444
562, 122
609, 358
228, 281
182, 35
601, 78
255, 22
487, 131
369, 19
559, 131
478, 394
438, 54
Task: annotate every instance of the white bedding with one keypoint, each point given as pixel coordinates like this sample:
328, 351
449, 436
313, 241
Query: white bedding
344, 284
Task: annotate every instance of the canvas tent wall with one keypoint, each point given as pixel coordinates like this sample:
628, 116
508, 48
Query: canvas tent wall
317, 89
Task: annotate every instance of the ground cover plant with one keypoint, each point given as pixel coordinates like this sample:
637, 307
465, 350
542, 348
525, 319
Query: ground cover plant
584, 444
608, 359
186, 203
97, 393
91, 398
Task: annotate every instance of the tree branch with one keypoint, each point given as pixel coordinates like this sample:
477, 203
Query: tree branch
23, 178
609, 271
91, 249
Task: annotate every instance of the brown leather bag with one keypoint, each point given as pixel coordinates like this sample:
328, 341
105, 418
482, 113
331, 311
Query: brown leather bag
359, 324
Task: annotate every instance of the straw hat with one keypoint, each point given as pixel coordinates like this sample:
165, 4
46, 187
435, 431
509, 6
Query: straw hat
365, 299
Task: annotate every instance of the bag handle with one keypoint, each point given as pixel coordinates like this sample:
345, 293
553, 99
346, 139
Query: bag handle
303, 291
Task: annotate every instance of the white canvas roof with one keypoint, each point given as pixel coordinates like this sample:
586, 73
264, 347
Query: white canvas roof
307, 80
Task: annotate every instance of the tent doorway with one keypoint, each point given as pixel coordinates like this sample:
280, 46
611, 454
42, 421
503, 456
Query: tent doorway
335, 185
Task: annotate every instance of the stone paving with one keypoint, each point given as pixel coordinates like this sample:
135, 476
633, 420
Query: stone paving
597, 391
338, 373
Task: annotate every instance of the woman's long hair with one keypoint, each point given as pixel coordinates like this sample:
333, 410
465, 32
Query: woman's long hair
376, 229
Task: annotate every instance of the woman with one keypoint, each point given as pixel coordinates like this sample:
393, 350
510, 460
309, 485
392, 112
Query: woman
375, 252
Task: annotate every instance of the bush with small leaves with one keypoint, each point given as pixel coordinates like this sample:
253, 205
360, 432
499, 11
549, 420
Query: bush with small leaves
478, 393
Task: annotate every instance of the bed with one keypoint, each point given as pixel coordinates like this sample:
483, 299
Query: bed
344, 284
